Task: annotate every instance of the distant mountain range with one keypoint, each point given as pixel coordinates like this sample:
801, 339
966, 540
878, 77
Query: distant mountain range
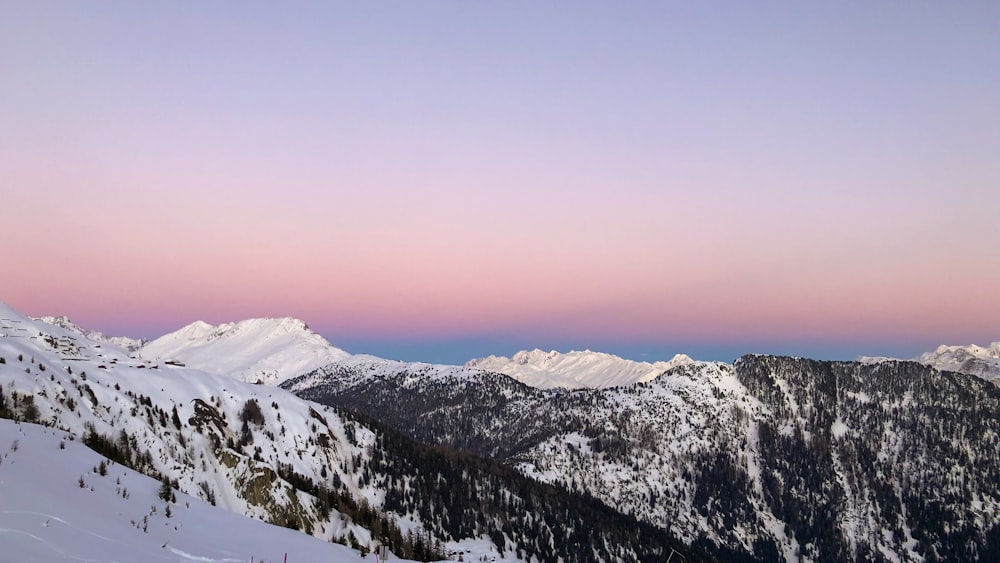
972, 359
582, 456
576, 370
975, 360
272, 350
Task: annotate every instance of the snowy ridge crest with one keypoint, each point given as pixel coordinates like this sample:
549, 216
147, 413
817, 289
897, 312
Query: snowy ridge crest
981, 361
125, 343
267, 350
576, 369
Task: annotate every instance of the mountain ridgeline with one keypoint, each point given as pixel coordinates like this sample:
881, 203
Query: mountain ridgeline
768, 459
263, 452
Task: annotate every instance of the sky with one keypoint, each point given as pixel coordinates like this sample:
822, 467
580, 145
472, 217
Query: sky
438, 181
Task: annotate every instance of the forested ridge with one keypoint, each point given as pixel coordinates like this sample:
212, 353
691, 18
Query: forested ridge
769, 458
459, 494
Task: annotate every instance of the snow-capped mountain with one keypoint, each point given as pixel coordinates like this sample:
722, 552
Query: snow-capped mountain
975, 360
265, 351
575, 370
58, 506
262, 452
769, 459
766, 459
271, 351
213, 436
123, 342
980, 361
363, 368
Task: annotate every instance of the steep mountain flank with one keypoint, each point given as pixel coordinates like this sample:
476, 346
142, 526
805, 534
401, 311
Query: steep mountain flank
771, 458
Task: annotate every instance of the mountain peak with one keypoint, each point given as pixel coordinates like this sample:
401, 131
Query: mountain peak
575, 369
266, 350
977, 360
195, 330
981, 361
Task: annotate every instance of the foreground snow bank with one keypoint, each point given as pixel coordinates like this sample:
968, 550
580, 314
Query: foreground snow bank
56, 506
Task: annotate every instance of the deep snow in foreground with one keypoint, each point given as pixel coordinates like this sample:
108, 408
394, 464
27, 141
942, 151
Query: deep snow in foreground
45, 515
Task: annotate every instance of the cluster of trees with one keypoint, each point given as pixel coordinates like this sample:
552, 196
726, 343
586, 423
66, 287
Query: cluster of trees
920, 446
459, 494
124, 450
494, 415
20, 406
419, 547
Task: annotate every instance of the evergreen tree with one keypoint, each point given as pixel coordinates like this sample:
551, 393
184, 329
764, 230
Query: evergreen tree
175, 418
29, 411
166, 490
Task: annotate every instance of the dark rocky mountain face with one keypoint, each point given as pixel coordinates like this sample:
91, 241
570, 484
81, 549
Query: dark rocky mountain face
768, 459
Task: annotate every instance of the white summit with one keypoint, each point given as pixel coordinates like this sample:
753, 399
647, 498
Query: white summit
575, 370
981, 361
976, 360
265, 351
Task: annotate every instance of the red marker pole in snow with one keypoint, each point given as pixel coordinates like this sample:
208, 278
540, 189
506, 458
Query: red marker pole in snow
286, 558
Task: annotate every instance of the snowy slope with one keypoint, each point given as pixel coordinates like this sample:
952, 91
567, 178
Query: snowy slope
575, 370
78, 385
125, 343
46, 515
293, 463
84, 387
362, 368
256, 350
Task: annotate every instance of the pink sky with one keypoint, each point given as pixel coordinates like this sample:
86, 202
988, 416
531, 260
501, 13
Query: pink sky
639, 175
